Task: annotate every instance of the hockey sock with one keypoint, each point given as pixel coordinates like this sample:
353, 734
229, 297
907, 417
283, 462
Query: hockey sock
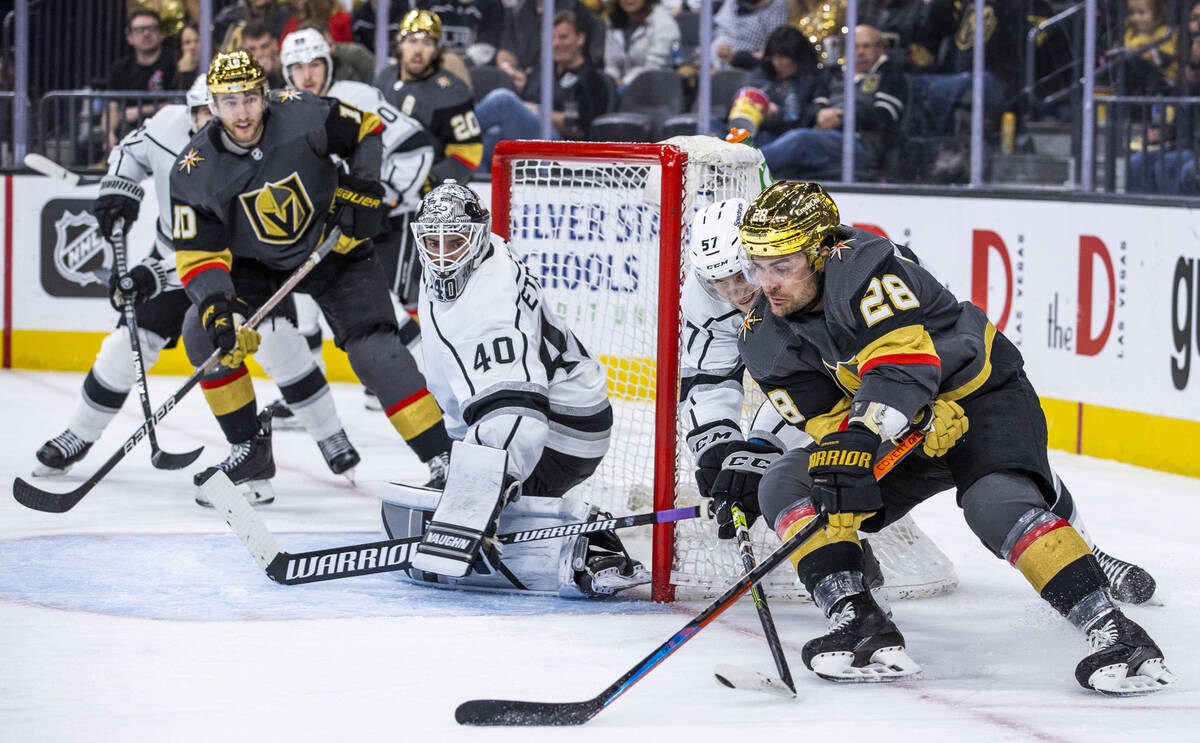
230, 396
1064, 507
311, 400
1054, 559
97, 405
418, 419
829, 566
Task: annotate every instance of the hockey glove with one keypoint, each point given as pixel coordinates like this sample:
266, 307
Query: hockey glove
737, 484
944, 423
223, 317
710, 444
119, 198
145, 280
358, 209
843, 475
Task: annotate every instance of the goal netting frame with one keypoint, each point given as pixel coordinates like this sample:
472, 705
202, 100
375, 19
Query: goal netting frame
639, 199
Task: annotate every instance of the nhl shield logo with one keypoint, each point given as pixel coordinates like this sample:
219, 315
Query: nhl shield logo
279, 212
79, 249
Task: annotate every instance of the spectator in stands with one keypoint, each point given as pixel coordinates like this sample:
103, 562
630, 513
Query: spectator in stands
471, 28
174, 14
642, 35
880, 92
229, 22
521, 41
149, 68
263, 45
351, 61
1149, 55
188, 66
792, 83
327, 12
580, 95
741, 27
362, 21
899, 23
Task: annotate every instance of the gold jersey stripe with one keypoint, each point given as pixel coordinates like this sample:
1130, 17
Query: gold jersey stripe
230, 393
417, 417
469, 154
958, 393
187, 261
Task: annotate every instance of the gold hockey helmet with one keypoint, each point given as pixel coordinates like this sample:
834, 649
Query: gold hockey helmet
789, 217
235, 72
422, 22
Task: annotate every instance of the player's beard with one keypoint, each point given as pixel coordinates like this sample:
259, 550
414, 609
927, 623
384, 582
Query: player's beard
786, 302
250, 140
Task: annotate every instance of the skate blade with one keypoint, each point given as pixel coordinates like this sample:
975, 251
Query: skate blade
349, 475
886, 664
1115, 680
44, 471
738, 677
256, 493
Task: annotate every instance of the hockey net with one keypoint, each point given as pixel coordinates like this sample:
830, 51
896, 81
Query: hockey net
603, 226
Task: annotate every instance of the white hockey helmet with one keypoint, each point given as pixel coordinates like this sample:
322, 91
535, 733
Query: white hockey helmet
715, 246
197, 94
452, 228
302, 46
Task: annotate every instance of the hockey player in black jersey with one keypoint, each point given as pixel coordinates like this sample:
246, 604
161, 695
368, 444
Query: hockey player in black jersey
251, 198
858, 345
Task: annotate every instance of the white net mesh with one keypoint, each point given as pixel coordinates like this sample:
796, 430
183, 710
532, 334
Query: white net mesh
587, 223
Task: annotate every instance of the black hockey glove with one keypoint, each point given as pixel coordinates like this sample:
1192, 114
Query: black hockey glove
737, 484
843, 474
119, 198
710, 444
143, 281
223, 317
357, 207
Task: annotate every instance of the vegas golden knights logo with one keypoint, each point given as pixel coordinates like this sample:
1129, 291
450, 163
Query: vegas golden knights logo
279, 212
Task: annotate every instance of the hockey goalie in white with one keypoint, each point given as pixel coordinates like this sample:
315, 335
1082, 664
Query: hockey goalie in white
528, 407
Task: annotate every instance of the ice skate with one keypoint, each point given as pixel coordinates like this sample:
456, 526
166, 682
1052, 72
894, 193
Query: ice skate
438, 467
58, 454
250, 465
862, 645
602, 565
1129, 583
340, 455
1124, 661
282, 417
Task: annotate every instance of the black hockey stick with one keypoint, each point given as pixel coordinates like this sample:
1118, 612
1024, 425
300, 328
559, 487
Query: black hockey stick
332, 563
163, 460
734, 676
508, 712
41, 500
48, 167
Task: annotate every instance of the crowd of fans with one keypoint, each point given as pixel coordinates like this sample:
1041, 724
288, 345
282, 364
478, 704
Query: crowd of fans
781, 62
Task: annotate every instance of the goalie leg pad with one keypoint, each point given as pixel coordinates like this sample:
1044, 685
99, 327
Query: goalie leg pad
541, 567
466, 512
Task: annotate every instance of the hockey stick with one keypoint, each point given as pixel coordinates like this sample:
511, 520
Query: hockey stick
736, 677
508, 712
163, 460
48, 167
41, 500
332, 563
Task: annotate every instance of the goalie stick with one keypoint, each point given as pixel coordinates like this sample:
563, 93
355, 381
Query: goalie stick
736, 677
332, 563
42, 500
510, 712
160, 458
51, 169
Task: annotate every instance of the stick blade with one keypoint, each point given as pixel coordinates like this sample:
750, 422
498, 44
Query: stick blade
514, 714
737, 677
228, 501
165, 460
42, 500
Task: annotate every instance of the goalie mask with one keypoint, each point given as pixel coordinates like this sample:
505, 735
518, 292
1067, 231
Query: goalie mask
715, 252
452, 230
301, 47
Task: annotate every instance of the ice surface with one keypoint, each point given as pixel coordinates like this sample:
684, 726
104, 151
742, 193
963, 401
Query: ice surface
138, 617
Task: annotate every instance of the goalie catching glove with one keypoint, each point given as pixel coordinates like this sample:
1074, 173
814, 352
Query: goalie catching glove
843, 475
224, 319
358, 209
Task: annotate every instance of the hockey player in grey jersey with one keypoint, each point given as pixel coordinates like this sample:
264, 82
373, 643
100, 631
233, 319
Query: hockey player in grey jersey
511, 376
858, 345
153, 151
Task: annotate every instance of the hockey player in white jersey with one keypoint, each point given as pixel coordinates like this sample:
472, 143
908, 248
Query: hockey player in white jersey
520, 395
153, 151
715, 299
407, 153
